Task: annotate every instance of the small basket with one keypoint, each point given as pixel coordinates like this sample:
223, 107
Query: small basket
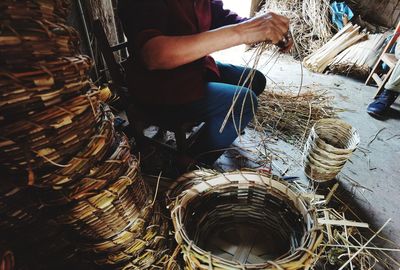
49, 138
206, 207
42, 85
330, 144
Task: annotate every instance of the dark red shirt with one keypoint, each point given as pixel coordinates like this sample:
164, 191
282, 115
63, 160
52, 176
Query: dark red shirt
146, 19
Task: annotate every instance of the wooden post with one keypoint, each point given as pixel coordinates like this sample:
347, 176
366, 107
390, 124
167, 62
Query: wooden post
255, 7
104, 11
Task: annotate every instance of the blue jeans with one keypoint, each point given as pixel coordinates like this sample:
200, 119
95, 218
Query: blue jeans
215, 105
213, 108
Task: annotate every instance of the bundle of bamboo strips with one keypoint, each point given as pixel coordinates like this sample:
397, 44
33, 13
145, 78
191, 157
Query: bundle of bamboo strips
290, 116
357, 60
309, 20
322, 58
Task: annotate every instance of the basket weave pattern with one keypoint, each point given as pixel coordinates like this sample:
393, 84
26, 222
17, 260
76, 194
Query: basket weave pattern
202, 202
329, 146
71, 188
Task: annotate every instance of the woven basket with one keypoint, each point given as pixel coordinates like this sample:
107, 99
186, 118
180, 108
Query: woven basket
6, 260
142, 251
42, 85
62, 184
19, 207
49, 138
109, 211
27, 42
330, 144
52, 10
92, 174
206, 207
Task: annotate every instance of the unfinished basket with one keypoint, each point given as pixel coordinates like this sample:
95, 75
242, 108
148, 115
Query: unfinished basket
48, 138
40, 85
52, 10
31, 41
330, 144
242, 220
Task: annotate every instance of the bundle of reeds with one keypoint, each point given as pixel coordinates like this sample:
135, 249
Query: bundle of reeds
290, 116
358, 59
323, 57
309, 22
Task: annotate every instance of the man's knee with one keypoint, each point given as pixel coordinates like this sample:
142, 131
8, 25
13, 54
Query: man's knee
259, 82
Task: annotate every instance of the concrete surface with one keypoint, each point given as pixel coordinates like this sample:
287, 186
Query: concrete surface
370, 181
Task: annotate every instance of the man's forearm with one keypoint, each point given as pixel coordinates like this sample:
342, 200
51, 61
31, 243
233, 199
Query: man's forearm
168, 52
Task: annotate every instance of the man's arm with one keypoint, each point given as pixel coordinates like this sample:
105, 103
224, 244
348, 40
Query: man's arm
168, 52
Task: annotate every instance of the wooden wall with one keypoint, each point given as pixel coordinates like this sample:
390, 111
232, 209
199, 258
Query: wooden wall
382, 12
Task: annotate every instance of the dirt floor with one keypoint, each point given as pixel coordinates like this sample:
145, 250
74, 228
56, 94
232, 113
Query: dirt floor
369, 181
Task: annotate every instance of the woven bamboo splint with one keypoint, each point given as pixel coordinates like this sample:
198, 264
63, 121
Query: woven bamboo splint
329, 146
50, 137
41, 85
65, 181
51, 10
28, 42
202, 203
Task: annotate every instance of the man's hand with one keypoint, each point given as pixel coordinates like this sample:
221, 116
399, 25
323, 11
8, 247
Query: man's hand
269, 27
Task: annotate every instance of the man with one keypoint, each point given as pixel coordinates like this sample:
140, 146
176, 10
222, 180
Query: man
171, 70
382, 103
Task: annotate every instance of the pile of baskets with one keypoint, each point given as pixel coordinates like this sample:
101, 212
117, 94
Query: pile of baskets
71, 190
231, 221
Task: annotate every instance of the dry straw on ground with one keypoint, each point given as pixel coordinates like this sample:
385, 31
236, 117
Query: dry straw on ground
290, 116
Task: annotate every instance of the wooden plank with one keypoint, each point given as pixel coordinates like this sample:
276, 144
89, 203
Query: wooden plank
377, 79
390, 59
104, 11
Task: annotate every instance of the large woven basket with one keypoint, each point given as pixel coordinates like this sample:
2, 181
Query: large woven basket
30, 41
242, 220
41, 85
330, 144
63, 183
48, 138
19, 206
51, 10
109, 211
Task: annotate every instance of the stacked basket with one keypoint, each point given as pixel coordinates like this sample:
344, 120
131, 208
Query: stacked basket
62, 163
46, 117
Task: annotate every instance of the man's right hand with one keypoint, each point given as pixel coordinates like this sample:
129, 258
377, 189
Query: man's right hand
269, 27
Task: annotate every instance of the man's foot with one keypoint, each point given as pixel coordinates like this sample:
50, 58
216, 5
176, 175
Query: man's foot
382, 103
